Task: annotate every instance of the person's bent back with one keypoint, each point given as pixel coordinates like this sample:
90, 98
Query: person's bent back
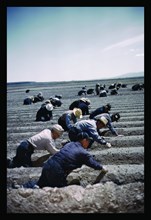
73, 155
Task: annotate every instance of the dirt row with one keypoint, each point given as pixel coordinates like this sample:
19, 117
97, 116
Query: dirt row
120, 191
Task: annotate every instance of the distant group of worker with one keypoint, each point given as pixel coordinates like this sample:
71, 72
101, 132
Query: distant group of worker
101, 91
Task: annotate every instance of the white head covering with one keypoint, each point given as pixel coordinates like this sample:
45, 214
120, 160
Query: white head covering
58, 128
49, 107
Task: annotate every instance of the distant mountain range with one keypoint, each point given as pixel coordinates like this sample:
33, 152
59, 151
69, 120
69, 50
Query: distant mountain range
130, 75
126, 75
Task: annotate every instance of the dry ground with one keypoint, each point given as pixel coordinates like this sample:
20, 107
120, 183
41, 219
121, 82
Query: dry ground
120, 191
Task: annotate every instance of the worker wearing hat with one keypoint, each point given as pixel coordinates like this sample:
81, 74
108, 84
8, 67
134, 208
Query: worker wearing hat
70, 117
44, 140
92, 127
28, 100
114, 117
38, 98
45, 112
83, 104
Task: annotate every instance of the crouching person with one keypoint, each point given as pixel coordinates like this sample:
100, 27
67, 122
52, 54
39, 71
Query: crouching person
70, 117
45, 112
91, 127
72, 156
45, 140
110, 118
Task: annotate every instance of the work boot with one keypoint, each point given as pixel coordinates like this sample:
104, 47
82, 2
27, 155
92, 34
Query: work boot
101, 175
15, 185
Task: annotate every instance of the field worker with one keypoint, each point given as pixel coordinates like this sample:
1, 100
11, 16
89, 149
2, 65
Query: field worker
97, 88
56, 102
72, 156
38, 98
111, 118
83, 104
103, 93
69, 118
45, 140
29, 100
91, 127
104, 109
45, 112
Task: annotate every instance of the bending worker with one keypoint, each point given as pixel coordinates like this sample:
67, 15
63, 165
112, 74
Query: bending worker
114, 117
45, 140
91, 127
68, 118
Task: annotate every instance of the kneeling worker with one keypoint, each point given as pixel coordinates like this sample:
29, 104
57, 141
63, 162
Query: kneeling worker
45, 140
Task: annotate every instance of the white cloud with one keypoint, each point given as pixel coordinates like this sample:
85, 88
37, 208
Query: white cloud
125, 43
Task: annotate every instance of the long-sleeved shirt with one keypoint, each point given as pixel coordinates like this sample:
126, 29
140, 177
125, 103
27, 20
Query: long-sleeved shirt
84, 108
109, 124
44, 141
73, 156
90, 127
98, 111
57, 168
68, 118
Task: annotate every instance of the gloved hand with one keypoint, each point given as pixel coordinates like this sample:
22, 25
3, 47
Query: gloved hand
104, 170
108, 144
101, 175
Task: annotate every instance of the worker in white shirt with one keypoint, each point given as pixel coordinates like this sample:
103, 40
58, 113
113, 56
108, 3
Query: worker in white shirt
45, 140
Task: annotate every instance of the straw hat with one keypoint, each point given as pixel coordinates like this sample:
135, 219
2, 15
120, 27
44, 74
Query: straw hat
103, 120
77, 112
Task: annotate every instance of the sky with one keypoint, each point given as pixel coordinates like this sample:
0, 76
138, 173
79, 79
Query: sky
46, 44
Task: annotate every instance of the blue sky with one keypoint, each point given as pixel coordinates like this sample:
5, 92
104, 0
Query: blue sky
73, 43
